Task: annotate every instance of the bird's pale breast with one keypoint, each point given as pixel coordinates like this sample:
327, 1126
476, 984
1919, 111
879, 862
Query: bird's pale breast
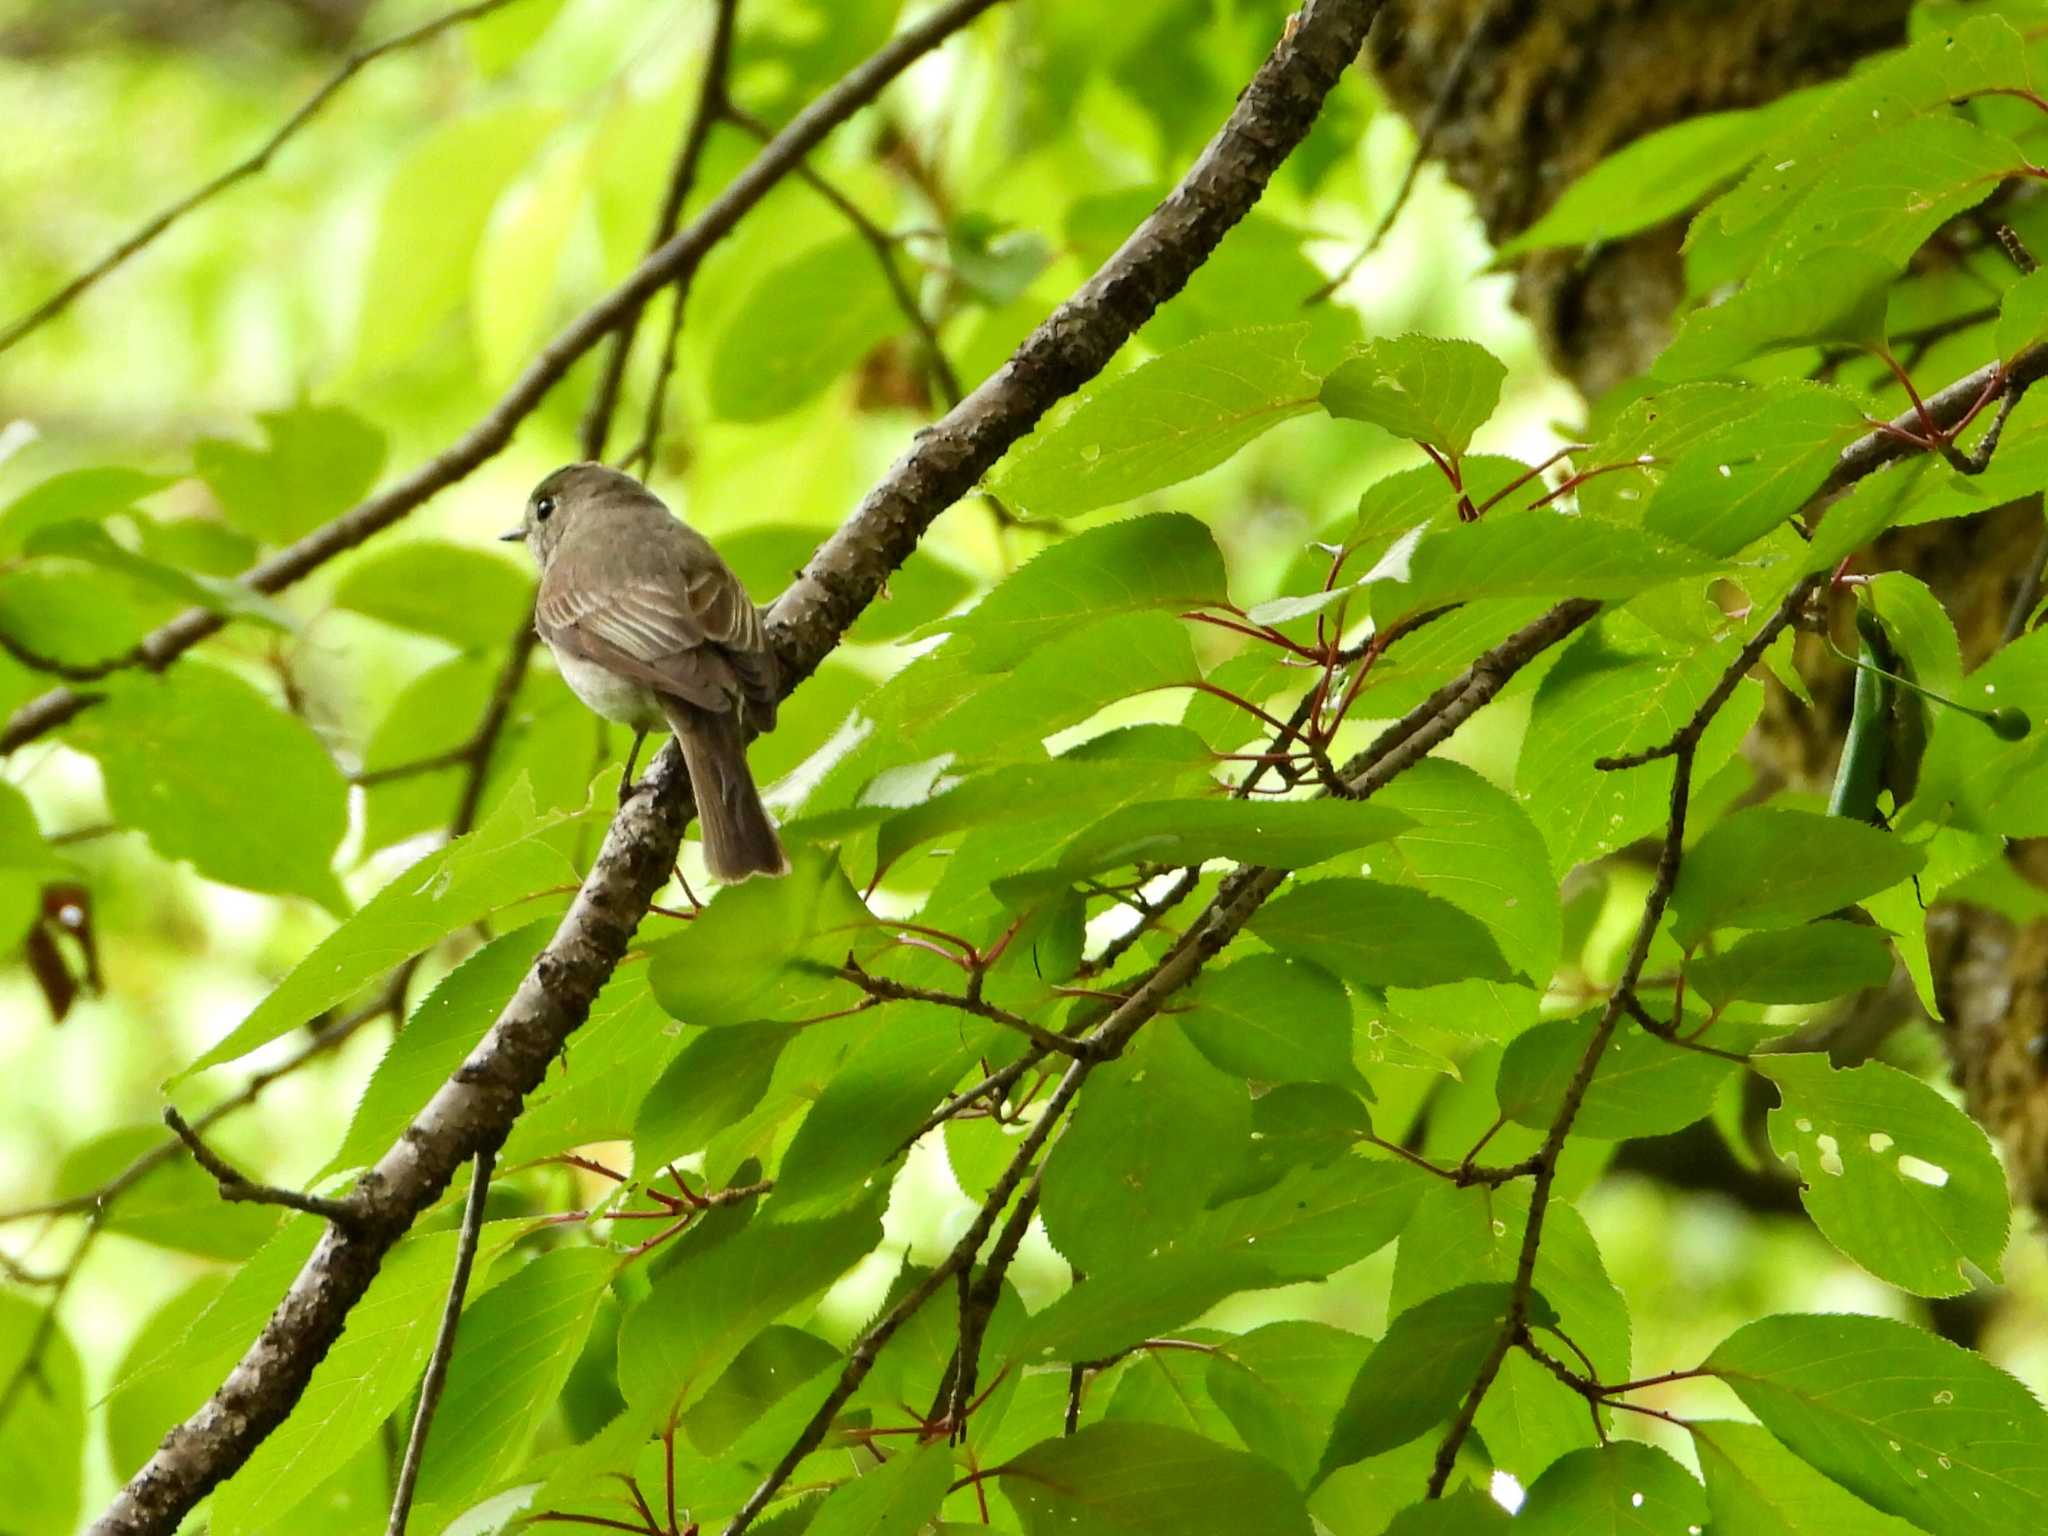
612, 696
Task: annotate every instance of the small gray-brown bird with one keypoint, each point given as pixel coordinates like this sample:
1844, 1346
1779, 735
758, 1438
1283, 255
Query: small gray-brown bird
648, 625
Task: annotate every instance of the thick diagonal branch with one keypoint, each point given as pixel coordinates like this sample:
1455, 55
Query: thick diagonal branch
475, 1109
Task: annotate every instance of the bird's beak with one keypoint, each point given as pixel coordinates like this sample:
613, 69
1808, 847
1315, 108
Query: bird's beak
516, 536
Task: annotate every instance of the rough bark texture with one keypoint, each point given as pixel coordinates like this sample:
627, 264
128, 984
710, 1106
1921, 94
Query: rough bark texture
475, 1109
1547, 90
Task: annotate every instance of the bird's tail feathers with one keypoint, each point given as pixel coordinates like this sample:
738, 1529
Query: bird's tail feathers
739, 839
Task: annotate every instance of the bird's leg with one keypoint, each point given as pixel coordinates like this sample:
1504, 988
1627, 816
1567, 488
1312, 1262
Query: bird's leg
626, 784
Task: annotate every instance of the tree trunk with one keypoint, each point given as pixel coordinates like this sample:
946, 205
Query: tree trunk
1517, 99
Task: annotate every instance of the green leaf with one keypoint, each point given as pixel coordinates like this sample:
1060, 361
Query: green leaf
1837, 296
1974, 782
775, 1362
1281, 1385
1316, 1221
176, 1205
1281, 834
214, 773
316, 462
1379, 935
42, 1435
705, 1307
1143, 1297
1140, 1156
75, 495
1766, 867
1460, 1236
804, 323
1623, 1489
437, 588
1652, 179
1886, 196
1165, 421
1911, 1423
92, 543
1756, 1486
1474, 846
1160, 560
1644, 1086
1620, 687
440, 1032
2022, 316
421, 269
1420, 1371
506, 859
711, 1084
897, 1498
1540, 553
519, 258
1421, 387
1273, 1020
1129, 1478
873, 1104
512, 1358
1740, 483
1467, 1512
1893, 1174
1810, 964
764, 950
363, 1379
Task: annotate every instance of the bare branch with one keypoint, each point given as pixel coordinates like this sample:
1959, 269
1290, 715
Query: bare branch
236, 1187
64, 297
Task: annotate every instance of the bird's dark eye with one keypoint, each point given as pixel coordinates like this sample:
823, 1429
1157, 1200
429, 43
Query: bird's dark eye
543, 508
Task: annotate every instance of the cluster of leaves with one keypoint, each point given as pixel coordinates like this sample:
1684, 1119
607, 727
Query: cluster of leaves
998, 844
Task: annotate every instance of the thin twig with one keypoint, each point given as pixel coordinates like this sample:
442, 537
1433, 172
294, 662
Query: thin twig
444, 1343
234, 1186
63, 298
30, 1366
711, 102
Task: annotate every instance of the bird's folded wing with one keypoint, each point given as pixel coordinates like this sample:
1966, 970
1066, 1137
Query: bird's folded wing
641, 630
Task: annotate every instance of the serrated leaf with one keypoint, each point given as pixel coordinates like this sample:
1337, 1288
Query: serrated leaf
804, 323
1159, 560
1623, 1489
1809, 964
218, 775
1281, 1385
1165, 421
1643, 1086
1420, 1371
42, 1435
1129, 1478
505, 860
1756, 1486
1273, 1020
711, 1084
1380, 935
1278, 834
1421, 387
897, 1498
363, 1379
1908, 1422
1892, 1173
1466, 1512
1767, 867
316, 462
1836, 296
434, 587
704, 1308
1141, 1155
1739, 484
2022, 316
512, 1357
767, 558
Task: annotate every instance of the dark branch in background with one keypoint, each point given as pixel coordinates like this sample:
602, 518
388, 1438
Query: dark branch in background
474, 1110
1425, 141
680, 255
444, 1342
64, 297
711, 102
